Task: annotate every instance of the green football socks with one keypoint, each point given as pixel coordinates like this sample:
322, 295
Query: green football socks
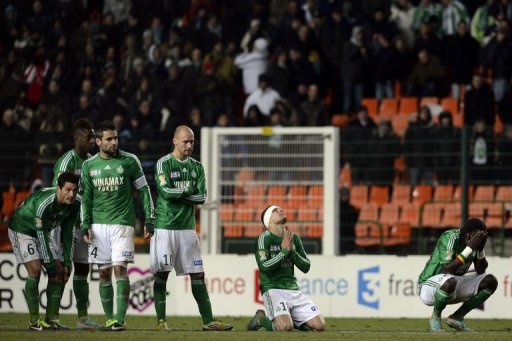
203, 300
32, 298
160, 295
267, 324
442, 299
472, 303
81, 290
107, 299
53, 294
123, 293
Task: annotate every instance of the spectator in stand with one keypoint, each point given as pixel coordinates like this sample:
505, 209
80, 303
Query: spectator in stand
383, 148
280, 72
402, 61
35, 74
85, 109
265, 97
498, 58
253, 64
12, 150
354, 70
428, 40
172, 92
210, 95
381, 25
313, 111
358, 133
254, 117
504, 164
348, 219
428, 11
479, 102
426, 76
482, 153
419, 148
461, 56
453, 12
402, 14
484, 20
447, 149
384, 66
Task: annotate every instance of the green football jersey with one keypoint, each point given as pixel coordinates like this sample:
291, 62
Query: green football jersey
447, 248
180, 185
69, 161
108, 188
276, 265
39, 214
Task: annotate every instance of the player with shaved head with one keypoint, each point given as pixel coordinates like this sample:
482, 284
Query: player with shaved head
180, 184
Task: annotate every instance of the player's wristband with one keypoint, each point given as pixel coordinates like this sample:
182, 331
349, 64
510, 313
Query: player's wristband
461, 257
480, 254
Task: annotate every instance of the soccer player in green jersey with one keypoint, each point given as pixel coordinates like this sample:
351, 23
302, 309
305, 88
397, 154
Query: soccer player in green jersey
108, 217
445, 279
181, 185
83, 138
34, 247
278, 252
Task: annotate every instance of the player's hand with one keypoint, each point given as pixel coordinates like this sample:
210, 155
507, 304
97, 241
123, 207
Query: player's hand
88, 237
67, 271
287, 242
481, 246
476, 239
147, 233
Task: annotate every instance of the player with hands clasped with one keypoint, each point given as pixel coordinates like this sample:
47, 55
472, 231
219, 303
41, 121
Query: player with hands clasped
278, 252
34, 246
180, 182
109, 180
445, 278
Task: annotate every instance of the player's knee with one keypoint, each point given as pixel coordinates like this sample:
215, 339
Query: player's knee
197, 276
317, 324
283, 325
450, 285
105, 274
489, 282
81, 269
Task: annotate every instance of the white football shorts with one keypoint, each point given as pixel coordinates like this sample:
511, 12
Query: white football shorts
467, 286
289, 302
111, 243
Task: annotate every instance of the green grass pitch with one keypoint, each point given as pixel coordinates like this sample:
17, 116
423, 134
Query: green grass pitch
14, 327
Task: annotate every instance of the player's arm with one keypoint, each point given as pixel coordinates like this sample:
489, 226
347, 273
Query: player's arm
68, 226
141, 184
196, 194
86, 205
265, 263
164, 184
298, 255
43, 240
460, 259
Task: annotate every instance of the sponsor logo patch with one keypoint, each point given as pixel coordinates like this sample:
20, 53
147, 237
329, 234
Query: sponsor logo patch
198, 262
275, 248
95, 172
175, 175
127, 253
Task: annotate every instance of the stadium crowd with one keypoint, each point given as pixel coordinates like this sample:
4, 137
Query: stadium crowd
150, 66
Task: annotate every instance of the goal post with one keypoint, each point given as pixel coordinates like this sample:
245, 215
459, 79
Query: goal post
248, 169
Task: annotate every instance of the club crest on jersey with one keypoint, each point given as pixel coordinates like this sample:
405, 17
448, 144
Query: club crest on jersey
193, 173
120, 169
263, 255
162, 181
95, 172
275, 248
175, 175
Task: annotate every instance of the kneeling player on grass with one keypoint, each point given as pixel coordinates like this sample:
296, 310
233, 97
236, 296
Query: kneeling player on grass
444, 279
278, 251
34, 247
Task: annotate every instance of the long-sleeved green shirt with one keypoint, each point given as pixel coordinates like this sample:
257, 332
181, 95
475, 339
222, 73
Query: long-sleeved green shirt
180, 185
39, 214
276, 265
108, 188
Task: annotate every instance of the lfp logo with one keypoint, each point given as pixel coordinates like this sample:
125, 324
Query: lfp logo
368, 285
141, 288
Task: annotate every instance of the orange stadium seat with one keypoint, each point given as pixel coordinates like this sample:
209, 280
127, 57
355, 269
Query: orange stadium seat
451, 215
315, 196
233, 231
450, 104
429, 100
379, 195
359, 195
388, 107
421, 194
399, 234
340, 120
457, 195
401, 194
8, 198
277, 196
368, 234
297, 197
307, 214
371, 104
369, 212
389, 214
244, 214
400, 123
255, 196
408, 105
431, 215
227, 212
504, 193
443, 193
484, 193
252, 231
496, 215
477, 210
410, 214
20, 197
